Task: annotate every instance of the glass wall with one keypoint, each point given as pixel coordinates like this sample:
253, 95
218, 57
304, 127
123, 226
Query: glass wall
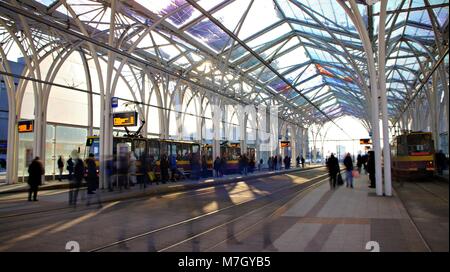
60, 140
25, 145
67, 140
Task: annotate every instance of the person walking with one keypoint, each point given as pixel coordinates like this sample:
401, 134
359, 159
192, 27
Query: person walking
164, 167
303, 162
371, 168
440, 162
173, 166
204, 167
270, 163
75, 183
333, 170
274, 163
297, 161
223, 166
92, 179
36, 171
245, 164
132, 170
69, 167
217, 167
286, 162
348, 170
359, 163
60, 163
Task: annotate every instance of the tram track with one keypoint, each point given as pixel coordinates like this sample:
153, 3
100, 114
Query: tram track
424, 234
251, 205
82, 208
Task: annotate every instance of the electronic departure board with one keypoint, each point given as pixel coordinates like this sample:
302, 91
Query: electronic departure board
285, 143
26, 126
125, 119
365, 141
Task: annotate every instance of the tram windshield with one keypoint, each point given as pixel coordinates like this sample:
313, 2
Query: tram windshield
420, 144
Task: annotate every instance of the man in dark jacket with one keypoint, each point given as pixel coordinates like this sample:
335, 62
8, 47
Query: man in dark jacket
35, 171
348, 170
333, 170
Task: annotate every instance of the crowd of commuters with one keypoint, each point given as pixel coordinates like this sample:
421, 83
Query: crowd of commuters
126, 170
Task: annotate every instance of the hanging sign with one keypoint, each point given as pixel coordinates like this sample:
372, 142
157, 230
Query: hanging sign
365, 141
285, 144
26, 126
114, 102
125, 119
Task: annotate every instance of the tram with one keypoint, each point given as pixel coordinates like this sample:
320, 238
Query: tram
231, 152
183, 150
152, 148
413, 155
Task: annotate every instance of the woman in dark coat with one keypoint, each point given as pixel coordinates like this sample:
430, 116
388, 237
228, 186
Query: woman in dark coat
35, 171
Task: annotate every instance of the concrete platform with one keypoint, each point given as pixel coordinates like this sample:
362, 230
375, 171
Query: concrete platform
347, 219
338, 220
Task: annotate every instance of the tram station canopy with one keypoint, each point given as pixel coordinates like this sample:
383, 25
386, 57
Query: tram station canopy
305, 56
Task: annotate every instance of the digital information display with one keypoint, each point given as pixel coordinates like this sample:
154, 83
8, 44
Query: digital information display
285, 144
125, 119
26, 126
365, 141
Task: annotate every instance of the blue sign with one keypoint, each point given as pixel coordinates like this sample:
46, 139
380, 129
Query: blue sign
114, 102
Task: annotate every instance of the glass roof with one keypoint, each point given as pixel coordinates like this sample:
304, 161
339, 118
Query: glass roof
311, 50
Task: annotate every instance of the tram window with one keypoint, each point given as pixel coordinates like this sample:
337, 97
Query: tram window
195, 148
95, 148
164, 148
172, 149
119, 141
185, 151
139, 149
153, 150
419, 143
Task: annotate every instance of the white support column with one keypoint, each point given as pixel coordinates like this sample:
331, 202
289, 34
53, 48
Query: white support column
383, 98
293, 140
304, 142
358, 21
